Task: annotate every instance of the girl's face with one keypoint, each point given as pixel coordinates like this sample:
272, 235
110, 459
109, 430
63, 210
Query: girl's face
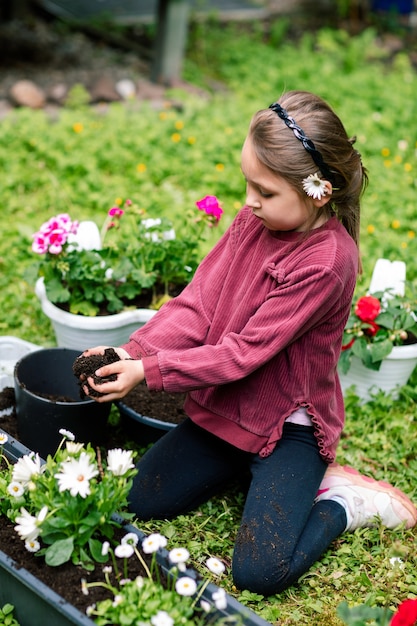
273, 200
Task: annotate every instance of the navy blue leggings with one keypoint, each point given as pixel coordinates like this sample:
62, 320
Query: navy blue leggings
282, 532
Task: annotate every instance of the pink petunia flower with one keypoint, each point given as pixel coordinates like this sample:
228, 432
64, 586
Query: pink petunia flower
211, 206
115, 212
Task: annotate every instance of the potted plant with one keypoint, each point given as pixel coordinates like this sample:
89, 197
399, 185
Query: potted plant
64, 520
379, 348
90, 281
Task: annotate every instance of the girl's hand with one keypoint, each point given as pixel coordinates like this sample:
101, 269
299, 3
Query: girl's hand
128, 373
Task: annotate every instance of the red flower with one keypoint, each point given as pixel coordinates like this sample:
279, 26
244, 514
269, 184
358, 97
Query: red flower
406, 614
368, 308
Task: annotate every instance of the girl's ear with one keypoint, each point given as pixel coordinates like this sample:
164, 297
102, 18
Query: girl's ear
318, 203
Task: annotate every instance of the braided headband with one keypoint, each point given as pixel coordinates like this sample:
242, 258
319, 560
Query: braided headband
301, 136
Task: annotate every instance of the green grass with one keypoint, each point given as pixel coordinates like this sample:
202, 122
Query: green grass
165, 160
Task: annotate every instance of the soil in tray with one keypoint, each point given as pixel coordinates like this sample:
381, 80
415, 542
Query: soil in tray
65, 579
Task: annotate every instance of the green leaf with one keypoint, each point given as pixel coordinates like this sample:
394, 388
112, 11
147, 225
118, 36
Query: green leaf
380, 350
344, 361
95, 549
59, 552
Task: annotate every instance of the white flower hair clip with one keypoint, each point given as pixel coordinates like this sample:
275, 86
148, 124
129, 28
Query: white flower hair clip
314, 186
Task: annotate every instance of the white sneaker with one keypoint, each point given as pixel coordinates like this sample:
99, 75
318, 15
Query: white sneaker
367, 500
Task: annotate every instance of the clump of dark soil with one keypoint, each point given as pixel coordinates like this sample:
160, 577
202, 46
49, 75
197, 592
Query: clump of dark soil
85, 367
166, 407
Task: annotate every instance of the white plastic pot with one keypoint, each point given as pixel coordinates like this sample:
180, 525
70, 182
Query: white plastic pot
394, 373
81, 332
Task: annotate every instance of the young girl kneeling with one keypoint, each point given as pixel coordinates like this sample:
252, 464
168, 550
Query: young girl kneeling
255, 340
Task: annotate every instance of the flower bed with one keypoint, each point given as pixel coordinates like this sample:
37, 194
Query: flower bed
37, 603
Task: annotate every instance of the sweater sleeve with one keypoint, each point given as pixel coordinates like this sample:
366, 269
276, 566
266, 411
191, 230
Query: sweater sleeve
287, 314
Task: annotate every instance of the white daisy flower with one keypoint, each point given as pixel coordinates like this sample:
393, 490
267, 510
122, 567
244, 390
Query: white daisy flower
124, 551
185, 586
28, 525
215, 566
119, 461
67, 434
130, 538
314, 186
105, 548
32, 546
153, 542
73, 447
3, 438
15, 489
220, 599
162, 618
75, 475
179, 555
118, 599
27, 466
206, 606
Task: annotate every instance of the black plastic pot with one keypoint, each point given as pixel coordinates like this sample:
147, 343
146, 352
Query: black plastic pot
142, 428
48, 399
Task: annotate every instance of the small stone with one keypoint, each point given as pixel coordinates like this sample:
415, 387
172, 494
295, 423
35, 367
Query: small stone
103, 90
27, 94
57, 93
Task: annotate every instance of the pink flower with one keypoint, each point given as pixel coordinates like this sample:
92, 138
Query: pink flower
211, 206
53, 234
40, 244
116, 212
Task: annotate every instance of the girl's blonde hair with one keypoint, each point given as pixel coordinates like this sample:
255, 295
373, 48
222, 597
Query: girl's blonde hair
278, 148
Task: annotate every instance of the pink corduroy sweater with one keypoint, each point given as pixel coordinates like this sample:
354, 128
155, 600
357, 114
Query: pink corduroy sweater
257, 334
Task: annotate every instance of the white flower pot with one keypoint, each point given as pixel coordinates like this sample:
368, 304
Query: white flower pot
394, 373
81, 332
